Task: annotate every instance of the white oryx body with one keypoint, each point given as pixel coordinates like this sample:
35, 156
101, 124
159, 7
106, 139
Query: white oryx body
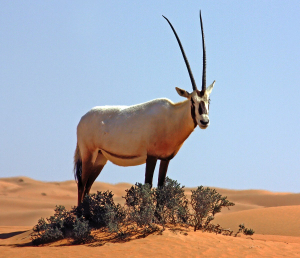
138, 134
126, 135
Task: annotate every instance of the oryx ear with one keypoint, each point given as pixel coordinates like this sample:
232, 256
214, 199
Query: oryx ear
209, 89
183, 93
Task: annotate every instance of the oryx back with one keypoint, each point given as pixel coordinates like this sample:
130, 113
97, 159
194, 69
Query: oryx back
126, 134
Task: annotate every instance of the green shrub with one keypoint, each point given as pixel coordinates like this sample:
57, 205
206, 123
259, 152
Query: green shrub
206, 202
100, 210
55, 228
172, 204
114, 217
140, 205
43, 233
244, 230
144, 208
249, 231
81, 231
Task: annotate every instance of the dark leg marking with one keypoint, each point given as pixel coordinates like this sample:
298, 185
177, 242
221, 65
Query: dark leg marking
86, 170
150, 166
163, 168
95, 171
92, 178
90, 171
80, 188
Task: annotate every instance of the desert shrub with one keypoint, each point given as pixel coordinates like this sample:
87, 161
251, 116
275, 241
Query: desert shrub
206, 202
248, 231
140, 205
65, 219
100, 210
244, 230
172, 204
43, 233
54, 228
62, 218
81, 231
114, 218
96, 211
144, 208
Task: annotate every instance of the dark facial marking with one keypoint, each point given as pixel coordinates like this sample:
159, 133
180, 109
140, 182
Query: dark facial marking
193, 113
202, 108
200, 93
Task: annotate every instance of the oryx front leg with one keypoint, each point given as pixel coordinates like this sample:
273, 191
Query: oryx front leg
163, 168
150, 166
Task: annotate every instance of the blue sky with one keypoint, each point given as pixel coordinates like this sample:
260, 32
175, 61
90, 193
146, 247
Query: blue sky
61, 58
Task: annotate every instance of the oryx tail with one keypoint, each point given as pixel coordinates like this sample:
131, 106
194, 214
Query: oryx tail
77, 165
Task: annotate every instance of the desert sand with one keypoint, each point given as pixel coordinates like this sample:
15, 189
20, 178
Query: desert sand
275, 218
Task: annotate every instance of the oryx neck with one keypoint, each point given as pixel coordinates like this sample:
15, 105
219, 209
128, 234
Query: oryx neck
188, 114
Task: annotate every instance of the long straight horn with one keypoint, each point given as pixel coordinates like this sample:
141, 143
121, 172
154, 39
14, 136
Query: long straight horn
204, 57
184, 57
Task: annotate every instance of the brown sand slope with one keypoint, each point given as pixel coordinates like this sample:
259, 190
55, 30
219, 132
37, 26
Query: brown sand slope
274, 216
24, 200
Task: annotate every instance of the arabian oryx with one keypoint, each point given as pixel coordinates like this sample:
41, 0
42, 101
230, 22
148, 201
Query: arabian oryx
142, 133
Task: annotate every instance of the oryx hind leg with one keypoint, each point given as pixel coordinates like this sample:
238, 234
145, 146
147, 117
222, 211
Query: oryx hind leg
92, 164
97, 168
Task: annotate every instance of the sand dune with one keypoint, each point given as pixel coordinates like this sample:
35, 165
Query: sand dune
283, 220
273, 216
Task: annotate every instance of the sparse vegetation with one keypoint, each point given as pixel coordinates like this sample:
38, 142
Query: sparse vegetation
100, 211
53, 228
171, 204
81, 231
146, 210
244, 230
140, 206
206, 202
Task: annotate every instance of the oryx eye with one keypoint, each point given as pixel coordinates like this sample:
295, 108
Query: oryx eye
202, 108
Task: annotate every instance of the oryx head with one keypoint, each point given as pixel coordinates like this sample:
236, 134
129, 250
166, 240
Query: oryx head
199, 98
